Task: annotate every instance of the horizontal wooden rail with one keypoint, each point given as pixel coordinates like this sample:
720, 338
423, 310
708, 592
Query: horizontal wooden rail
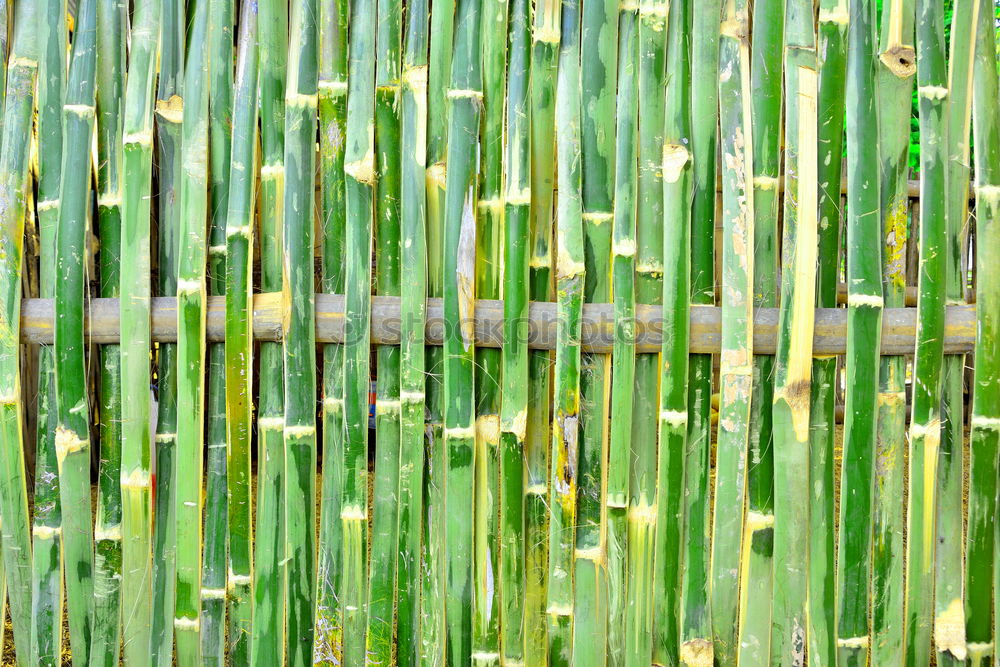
898, 324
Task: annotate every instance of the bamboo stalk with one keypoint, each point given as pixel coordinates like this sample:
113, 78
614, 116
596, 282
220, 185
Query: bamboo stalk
332, 90
299, 344
432, 604
72, 437
793, 361
675, 294
268, 639
736, 358
516, 275
570, 281
822, 609
865, 304
895, 80
488, 268
949, 596
984, 437
925, 419
382, 571
756, 580
111, 19
465, 98
599, 595
4, 29
359, 167
649, 247
220, 117
413, 292
169, 116
239, 336
695, 616
545, 37
22, 72
191, 262
631, 487
47, 576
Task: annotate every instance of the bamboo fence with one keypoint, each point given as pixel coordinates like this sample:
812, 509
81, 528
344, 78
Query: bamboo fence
499, 332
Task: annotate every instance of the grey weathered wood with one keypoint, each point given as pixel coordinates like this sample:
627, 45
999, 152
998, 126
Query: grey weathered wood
898, 327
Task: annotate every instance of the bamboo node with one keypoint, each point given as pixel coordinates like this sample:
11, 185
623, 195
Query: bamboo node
67, 442
900, 59
411, 397
985, 423
518, 196
271, 423
111, 533
546, 34
675, 158
759, 521
185, 623
460, 432
560, 609
80, 110
989, 192
675, 418
536, 490
643, 513
868, 300
623, 248
598, 217
171, 110
188, 286
164, 438
109, 199
301, 100
488, 429
697, 653
979, 650
333, 87
213, 593
838, 14
594, 554
242, 231
766, 182
46, 532
415, 77
299, 431
363, 170
9, 399
139, 478
143, 138
464, 94
518, 424
46, 205
949, 630
930, 431
384, 406
933, 92
494, 204
353, 513
437, 174
271, 172
217, 250
853, 642
234, 580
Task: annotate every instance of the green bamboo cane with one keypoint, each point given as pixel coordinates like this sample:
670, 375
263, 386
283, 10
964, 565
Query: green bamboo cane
328, 639
169, 115
72, 438
925, 419
793, 358
4, 26
192, 251
299, 330
47, 577
516, 276
22, 72
220, 116
267, 643
545, 36
599, 633
895, 80
570, 281
649, 220
674, 256
239, 335
465, 98
382, 573
489, 263
631, 487
736, 358
432, 611
822, 610
359, 167
984, 436
694, 616
865, 304
111, 16
949, 606
413, 292
756, 581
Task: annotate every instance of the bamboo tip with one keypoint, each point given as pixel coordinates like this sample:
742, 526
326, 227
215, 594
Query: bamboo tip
900, 59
